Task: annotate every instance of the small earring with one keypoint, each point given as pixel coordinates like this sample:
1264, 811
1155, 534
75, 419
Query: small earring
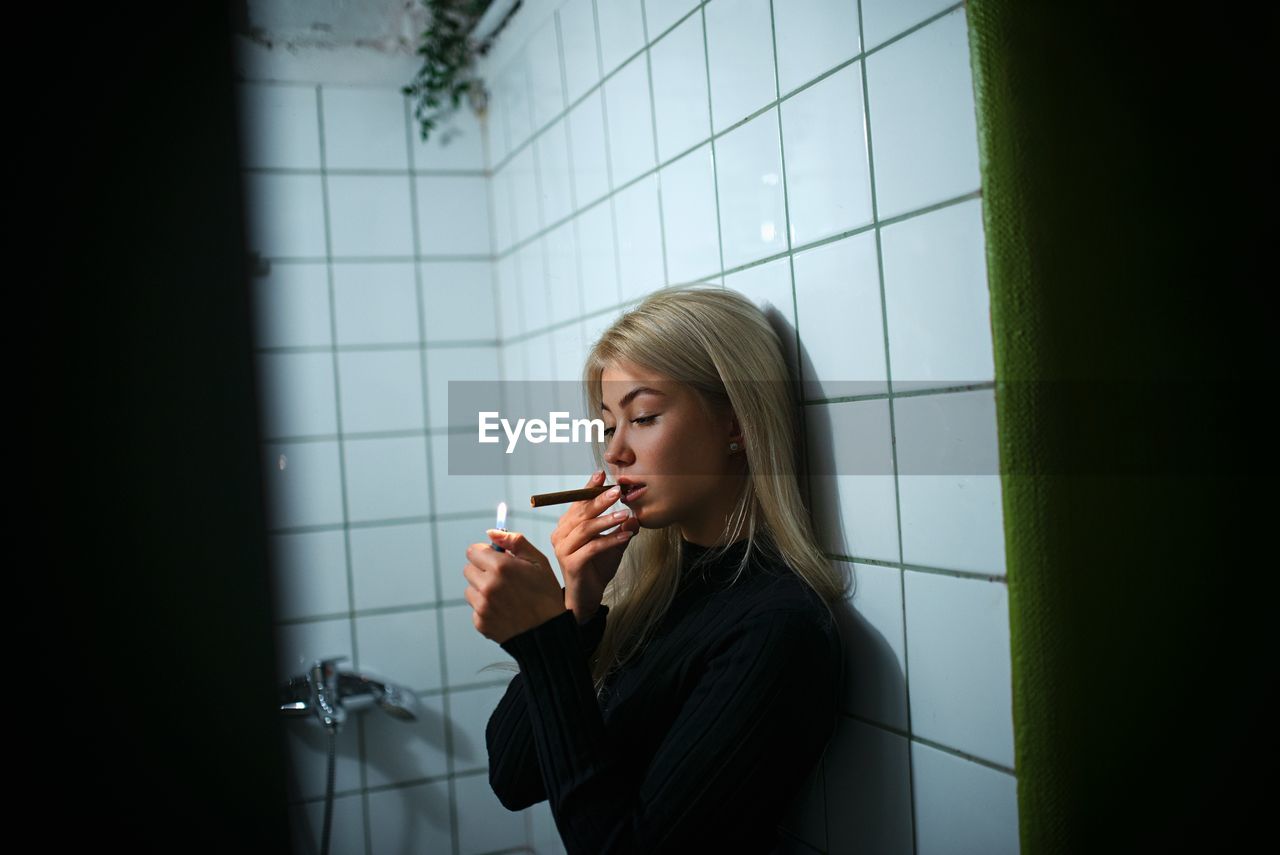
733, 446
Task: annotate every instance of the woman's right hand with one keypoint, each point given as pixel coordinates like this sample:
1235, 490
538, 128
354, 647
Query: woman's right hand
588, 561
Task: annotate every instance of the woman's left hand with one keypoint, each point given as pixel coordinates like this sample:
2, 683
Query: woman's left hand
510, 591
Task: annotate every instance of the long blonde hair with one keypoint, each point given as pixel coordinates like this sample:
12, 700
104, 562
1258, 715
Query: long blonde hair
720, 344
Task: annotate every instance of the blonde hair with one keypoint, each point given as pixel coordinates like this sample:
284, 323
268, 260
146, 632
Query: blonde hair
720, 344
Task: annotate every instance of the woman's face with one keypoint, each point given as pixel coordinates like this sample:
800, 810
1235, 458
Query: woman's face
661, 437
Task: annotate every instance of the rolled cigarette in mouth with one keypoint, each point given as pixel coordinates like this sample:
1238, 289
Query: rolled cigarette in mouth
539, 499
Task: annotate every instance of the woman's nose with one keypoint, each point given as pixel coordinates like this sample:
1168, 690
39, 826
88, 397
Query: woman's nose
616, 452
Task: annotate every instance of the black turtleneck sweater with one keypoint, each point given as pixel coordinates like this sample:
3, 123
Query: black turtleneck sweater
700, 742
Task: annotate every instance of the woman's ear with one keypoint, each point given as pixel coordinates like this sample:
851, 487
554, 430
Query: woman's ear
734, 428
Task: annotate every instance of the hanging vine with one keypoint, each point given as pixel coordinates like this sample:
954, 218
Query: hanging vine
449, 58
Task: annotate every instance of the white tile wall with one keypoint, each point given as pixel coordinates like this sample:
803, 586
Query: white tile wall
751, 193
375, 303
291, 306
507, 250
629, 121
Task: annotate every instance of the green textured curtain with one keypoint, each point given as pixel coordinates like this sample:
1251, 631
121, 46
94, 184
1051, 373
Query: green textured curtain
1125, 178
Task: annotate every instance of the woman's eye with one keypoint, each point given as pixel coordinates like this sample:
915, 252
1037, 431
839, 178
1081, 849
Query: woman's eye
636, 421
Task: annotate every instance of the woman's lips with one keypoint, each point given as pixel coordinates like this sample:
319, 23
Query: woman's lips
632, 494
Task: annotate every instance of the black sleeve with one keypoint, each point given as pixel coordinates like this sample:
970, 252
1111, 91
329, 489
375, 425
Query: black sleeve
513, 763
752, 730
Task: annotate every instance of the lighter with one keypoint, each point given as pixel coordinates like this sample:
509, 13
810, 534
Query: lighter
502, 524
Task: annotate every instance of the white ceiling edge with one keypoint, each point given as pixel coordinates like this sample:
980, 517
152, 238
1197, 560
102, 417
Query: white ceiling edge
342, 65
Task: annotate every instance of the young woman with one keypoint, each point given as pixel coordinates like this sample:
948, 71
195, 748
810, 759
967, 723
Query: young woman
681, 687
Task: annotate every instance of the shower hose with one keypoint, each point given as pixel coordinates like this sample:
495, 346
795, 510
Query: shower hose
328, 795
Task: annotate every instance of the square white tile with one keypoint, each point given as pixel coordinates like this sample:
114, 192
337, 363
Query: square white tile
484, 825
308, 749
453, 215
564, 299
518, 108
740, 57
302, 483
554, 173
370, 215
923, 124
546, 89
868, 790
854, 508
445, 364
840, 319
948, 482
828, 177
639, 238
959, 671
535, 303
469, 714
753, 215
660, 15
284, 215
298, 645
453, 536
455, 143
467, 651
291, 306
689, 219
874, 638
376, 303
364, 127
500, 101
813, 36
402, 647
569, 355
937, 299
524, 199
458, 301
346, 825
599, 260
962, 806
769, 287
380, 390
393, 565
464, 492
581, 58
884, 19
587, 147
280, 128
621, 27
545, 835
502, 209
397, 751
407, 819
629, 118
508, 296
309, 574
682, 113
297, 394
386, 478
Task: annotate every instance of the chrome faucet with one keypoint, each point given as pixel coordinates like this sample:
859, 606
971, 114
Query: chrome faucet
326, 692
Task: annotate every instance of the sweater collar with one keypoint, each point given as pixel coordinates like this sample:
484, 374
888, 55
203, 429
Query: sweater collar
708, 562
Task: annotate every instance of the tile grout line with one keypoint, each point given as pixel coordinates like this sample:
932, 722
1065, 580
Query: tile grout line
501, 257
423, 377
608, 155
711, 128
893, 436
341, 441
653, 128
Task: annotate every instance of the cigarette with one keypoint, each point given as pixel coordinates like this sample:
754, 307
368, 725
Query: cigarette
559, 498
